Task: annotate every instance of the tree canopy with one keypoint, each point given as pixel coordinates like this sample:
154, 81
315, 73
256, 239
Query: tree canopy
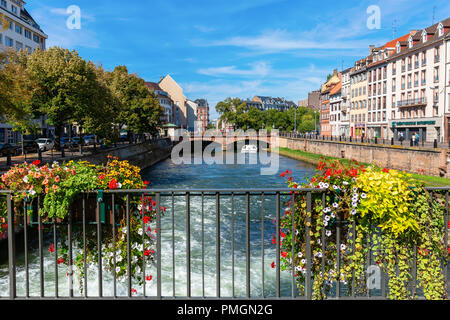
236, 112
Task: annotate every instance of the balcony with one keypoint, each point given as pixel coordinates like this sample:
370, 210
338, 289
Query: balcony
436, 59
403, 68
409, 85
403, 86
424, 82
409, 67
436, 79
394, 72
412, 102
416, 83
416, 64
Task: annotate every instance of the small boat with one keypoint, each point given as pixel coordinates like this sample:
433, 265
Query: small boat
250, 148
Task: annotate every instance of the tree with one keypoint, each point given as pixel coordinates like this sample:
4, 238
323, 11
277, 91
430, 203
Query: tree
66, 87
139, 109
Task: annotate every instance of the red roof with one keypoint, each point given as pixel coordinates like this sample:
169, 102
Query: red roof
393, 43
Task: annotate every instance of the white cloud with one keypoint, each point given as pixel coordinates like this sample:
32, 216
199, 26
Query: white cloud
260, 69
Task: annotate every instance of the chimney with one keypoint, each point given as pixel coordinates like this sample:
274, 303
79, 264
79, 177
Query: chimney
371, 47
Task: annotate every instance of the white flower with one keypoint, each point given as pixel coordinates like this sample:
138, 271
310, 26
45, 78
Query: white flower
355, 189
327, 218
353, 211
300, 254
328, 233
319, 254
140, 232
117, 269
335, 187
303, 261
354, 204
343, 246
325, 223
119, 258
345, 183
32, 192
326, 185
119, 185
25, 179
363, 196
335, 205
333, 215
138, 269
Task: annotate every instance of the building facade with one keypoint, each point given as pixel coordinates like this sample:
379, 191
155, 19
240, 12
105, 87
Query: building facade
269, 103
325, 127
358, 102
344, 125
420, 84
164, 101
203, 113
18, 29
180, 105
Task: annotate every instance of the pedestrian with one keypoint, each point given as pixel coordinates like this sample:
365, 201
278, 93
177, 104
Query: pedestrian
401, 137
417, 139
413, 138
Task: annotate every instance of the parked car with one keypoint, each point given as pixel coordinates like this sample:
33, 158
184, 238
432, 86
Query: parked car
7, 148
89, 139
66, 143
29, 146
76, 141
45, 144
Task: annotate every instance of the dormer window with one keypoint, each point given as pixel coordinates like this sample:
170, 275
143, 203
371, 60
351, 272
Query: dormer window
410, 42
424, 36
398, 47
440, 30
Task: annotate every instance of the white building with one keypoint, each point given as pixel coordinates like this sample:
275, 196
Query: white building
18, 30
335, 109
21, 30
420, 93
344, 125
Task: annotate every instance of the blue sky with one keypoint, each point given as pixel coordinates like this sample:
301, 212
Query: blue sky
236, 48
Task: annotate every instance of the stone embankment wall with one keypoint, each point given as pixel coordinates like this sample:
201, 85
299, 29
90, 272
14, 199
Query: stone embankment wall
413, 160
143, 155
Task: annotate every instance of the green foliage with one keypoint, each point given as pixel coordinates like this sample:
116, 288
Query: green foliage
370, 217
237, 113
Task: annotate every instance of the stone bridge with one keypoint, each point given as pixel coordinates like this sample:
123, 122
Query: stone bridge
228, 140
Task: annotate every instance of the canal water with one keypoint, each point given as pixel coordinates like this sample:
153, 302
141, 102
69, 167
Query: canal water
167, 175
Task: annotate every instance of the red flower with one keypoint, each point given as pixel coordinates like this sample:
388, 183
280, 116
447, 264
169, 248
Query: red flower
274, 241
113, 184
51, 248
282, 234
146, 183
273, 265
36, 162
133, 291
163, 209
101, 177
149, 278
283, 254
147, 219
60, 260
386, 170
153, 203
283, 174
147, 253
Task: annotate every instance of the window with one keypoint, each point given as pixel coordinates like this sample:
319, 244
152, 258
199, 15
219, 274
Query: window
19, 45
27, 34
36, 38
424, 36
9, 42
440, 30
18, 29
0, 38
3, 3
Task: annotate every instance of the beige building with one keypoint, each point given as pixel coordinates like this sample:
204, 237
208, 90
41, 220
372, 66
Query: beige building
180, 102
358, 102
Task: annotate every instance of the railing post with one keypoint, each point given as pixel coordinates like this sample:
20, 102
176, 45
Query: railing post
308, 287
11, 248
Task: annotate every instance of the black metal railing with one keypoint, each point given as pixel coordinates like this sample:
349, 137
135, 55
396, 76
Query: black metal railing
227, 209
